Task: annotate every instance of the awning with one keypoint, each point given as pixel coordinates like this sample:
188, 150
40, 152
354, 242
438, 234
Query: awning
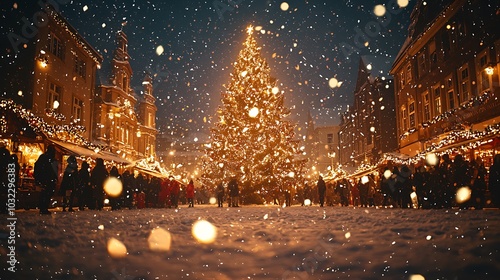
77, 150
151, 172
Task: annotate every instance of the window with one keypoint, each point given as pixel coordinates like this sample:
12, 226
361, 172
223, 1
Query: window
411, 114
408, 72
54, 95
151, 122
432, 53
451, 99
437, 100
80, 67
402, 79
56, 46
427, 106
77, 110
484, 78
464, 84
421, 65
125, 83
451, 93
404, 118
329, 140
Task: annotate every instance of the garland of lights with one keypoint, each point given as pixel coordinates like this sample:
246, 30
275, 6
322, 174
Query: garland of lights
53, 131
60, 21
450, 139
475, 101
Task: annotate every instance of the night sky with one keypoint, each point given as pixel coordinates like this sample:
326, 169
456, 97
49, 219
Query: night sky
201, 39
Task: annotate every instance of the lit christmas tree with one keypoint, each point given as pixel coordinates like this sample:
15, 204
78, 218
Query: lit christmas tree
251, 141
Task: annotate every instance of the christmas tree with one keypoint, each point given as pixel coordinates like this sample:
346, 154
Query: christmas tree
251, 141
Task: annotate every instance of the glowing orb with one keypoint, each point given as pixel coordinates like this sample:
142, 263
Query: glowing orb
284, 6
428, 237
291, 174
266, 216
403, 3
463, 194
159, 240
106, 201
379, 10
113, 186
333, 83
275, 90
212, 200
387, 174
20, 93
253, 112
116, 249
431, 159
416, 277
85, 8
204, 232
244, 73
101, 227
372, 129
369, 67
221, 165
159, 50
347, 235
307, 202
364, 179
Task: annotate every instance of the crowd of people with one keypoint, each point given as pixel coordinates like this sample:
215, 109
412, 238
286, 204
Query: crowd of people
414, 186
422, 186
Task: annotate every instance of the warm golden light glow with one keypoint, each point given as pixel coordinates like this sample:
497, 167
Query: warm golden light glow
431, 159
463, 194
489, 70
160, 240
204, 232
116, 249
113, 186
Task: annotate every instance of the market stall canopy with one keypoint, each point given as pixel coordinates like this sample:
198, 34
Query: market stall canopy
77, 150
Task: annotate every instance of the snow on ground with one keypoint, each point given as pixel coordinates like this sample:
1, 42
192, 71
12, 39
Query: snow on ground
259, 242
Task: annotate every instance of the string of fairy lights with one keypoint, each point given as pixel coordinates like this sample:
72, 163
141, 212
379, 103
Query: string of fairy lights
470, 139
474, 101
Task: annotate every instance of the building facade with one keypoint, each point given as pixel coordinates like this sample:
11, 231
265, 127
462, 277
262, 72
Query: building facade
52, 74
446, 73
124, 121
368, 128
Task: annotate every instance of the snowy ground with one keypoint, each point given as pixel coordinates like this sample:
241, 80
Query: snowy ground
258, 242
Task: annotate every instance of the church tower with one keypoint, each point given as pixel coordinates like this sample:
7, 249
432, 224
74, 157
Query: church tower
147, 117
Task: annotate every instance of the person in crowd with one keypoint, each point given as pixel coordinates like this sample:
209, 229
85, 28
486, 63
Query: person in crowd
307, 194
462, 175
115, 201
478, 185
190, 193
69, 184
343, 189
98, 176
494, 181
364, 187
234, 192
288, 196
155, 191
321, 190
420, 184
404, 185
387, 186
445, 171
164, 195
46, 170
174, 191
84, 194
355, 193
220, 194
4, 186
128, 189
